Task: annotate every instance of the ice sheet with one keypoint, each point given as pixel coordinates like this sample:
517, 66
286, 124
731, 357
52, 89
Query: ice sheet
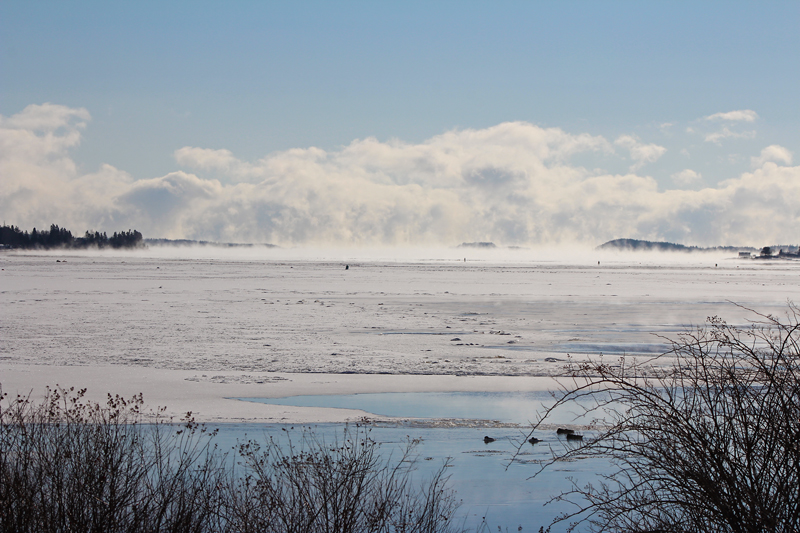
273, 323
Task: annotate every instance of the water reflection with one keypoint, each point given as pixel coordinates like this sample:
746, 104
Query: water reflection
617, 348
486, 479
491, 478
508, 407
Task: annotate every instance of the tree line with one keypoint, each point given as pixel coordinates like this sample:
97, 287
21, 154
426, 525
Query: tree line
56, 237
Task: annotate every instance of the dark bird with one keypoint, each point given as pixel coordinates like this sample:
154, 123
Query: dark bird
534, 440
572, 436
488, 439
562, 431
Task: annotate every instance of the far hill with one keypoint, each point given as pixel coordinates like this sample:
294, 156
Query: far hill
477, 245
636, 245
188, 242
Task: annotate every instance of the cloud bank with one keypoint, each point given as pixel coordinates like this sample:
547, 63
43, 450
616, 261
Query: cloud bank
514, 183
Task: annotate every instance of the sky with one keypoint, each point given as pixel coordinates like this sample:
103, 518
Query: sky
403, 123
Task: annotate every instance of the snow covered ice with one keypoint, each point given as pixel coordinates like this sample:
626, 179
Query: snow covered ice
201, 326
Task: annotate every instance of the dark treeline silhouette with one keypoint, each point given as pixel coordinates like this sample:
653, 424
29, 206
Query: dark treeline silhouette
638, 245
13, 237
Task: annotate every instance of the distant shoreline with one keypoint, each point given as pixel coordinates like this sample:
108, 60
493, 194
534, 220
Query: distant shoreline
636, 245
189, 242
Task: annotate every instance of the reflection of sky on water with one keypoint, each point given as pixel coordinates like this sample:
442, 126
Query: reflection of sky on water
505, 496
614, 348
515, 407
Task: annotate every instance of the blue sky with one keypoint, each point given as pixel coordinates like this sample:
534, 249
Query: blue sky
260, 79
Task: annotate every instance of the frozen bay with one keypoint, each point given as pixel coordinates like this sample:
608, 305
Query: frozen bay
272, 323
194, 330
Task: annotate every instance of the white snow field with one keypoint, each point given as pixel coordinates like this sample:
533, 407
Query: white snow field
194, 328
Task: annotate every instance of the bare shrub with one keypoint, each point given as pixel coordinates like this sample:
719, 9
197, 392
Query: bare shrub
71, 465
710, 442
342, 487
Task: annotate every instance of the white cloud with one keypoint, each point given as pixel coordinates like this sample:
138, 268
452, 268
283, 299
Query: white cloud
46, 117
37, 140
728, 129
686, 177
640, 153
221, 161
727, 133
512, 183
205, 158
742, 115
774, 153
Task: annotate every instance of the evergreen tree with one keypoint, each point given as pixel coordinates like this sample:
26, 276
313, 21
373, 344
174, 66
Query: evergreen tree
57, 237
